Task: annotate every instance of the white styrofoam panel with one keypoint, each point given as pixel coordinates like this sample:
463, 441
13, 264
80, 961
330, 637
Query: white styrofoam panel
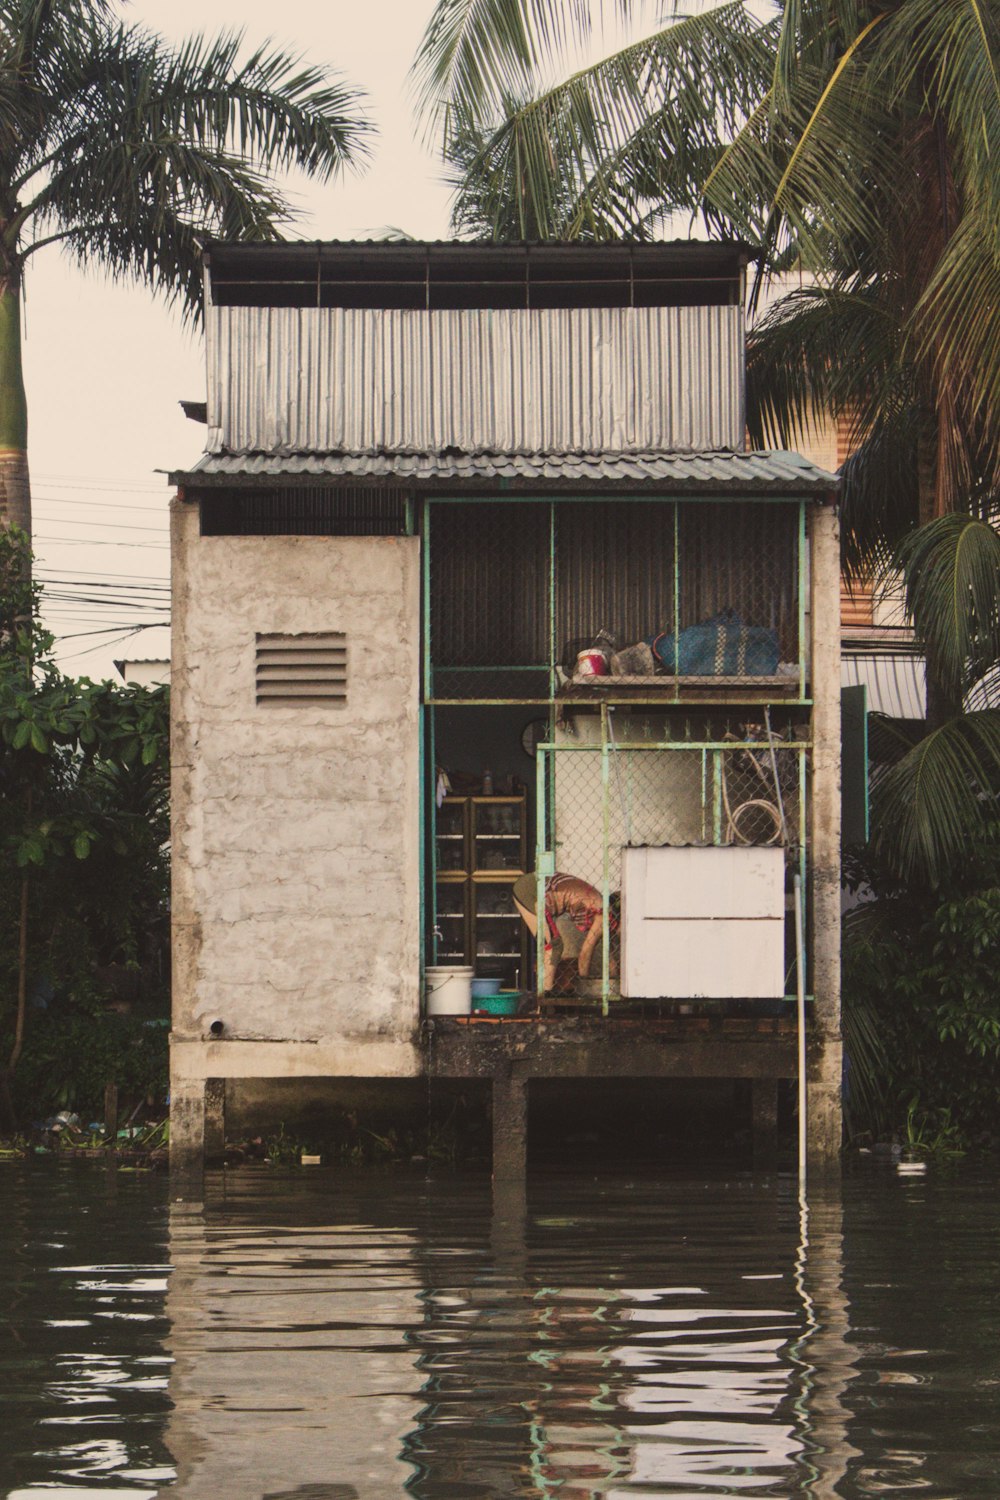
703, 923
718, 960
727, 882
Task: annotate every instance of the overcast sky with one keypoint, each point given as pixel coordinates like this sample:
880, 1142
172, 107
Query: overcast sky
107, 365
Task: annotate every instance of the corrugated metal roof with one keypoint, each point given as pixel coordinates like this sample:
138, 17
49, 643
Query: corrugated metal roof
716, 472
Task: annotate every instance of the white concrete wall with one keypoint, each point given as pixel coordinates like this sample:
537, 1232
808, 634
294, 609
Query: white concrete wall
295, 829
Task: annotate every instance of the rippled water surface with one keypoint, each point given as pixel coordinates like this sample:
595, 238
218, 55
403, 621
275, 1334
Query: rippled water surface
332, 1337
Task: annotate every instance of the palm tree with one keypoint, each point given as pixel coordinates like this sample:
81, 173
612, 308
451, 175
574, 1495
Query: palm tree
128, 153
860, 142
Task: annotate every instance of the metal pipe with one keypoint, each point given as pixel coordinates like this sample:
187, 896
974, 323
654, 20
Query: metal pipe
606, 860
774, 772
800, 1008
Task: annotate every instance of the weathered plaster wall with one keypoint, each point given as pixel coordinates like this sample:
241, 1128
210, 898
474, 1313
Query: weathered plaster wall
296, 829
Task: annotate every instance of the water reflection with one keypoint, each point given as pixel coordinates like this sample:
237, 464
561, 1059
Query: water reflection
335, 1338
555, 1382
292, 1376
85, 1371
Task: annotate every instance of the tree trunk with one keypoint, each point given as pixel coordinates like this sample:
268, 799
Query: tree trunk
940, 704
22, 977
927, 469
15, 486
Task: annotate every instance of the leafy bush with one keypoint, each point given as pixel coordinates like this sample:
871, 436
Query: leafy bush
922, 1004
83, 856
68, 1058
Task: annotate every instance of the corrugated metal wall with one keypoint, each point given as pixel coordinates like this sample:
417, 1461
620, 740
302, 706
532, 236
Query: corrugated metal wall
611, 564
327, 510
591, 379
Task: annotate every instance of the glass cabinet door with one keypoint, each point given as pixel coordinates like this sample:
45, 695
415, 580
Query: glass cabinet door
498, 931
497, 836
450, 836
450, 917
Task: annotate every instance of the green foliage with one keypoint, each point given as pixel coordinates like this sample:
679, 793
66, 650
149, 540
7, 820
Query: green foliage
920, 968
933, 800
856, 143
952, 571
127, 151
71, 1053
83, 833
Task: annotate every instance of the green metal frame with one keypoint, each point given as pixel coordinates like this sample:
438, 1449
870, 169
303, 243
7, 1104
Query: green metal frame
421, 523
548, 755
553, 502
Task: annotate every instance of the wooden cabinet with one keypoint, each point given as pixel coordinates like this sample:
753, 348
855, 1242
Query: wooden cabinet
480, 848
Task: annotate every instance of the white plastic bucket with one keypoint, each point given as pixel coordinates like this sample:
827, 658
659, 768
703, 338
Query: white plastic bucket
449, 990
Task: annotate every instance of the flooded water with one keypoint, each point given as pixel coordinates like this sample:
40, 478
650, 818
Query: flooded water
343, 1337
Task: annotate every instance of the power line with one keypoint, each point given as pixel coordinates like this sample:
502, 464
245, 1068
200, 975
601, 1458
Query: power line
140, 578
104, 525
133, 629
102, 645
67, 482
95, 582
99, 504
83, 541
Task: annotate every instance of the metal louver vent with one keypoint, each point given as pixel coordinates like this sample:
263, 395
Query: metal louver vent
295, 670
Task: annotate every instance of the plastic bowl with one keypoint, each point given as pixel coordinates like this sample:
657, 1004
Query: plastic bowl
482, 987
497, 1005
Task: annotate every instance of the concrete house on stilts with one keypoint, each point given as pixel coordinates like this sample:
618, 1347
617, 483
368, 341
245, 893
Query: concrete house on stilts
477, 586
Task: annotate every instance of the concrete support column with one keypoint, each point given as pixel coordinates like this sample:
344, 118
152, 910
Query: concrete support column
215, 1118
824, 1087
824, 1103
510, 1128
764, 1116
187, 1125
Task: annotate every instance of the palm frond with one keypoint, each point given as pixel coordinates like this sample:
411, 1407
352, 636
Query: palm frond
957, 320
475, 52
879, 499
950, 56
148, 147
952, 572
824, 164
638, 128
822, 350
938, 798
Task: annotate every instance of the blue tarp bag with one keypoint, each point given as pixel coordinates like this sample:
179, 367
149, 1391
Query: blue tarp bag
720, 647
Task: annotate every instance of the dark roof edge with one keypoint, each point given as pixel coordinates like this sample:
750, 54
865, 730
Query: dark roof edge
810, 480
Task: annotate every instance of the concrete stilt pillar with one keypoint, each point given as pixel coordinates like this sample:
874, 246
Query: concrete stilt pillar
510, 1128
187, 1126
825, 1119
824, 1105
509, 1224
215, 1118
764, 1115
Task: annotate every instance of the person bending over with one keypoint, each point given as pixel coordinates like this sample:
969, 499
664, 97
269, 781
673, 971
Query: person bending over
565, 896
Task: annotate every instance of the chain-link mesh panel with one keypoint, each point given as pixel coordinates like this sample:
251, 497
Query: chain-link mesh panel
601, 799
517, 589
